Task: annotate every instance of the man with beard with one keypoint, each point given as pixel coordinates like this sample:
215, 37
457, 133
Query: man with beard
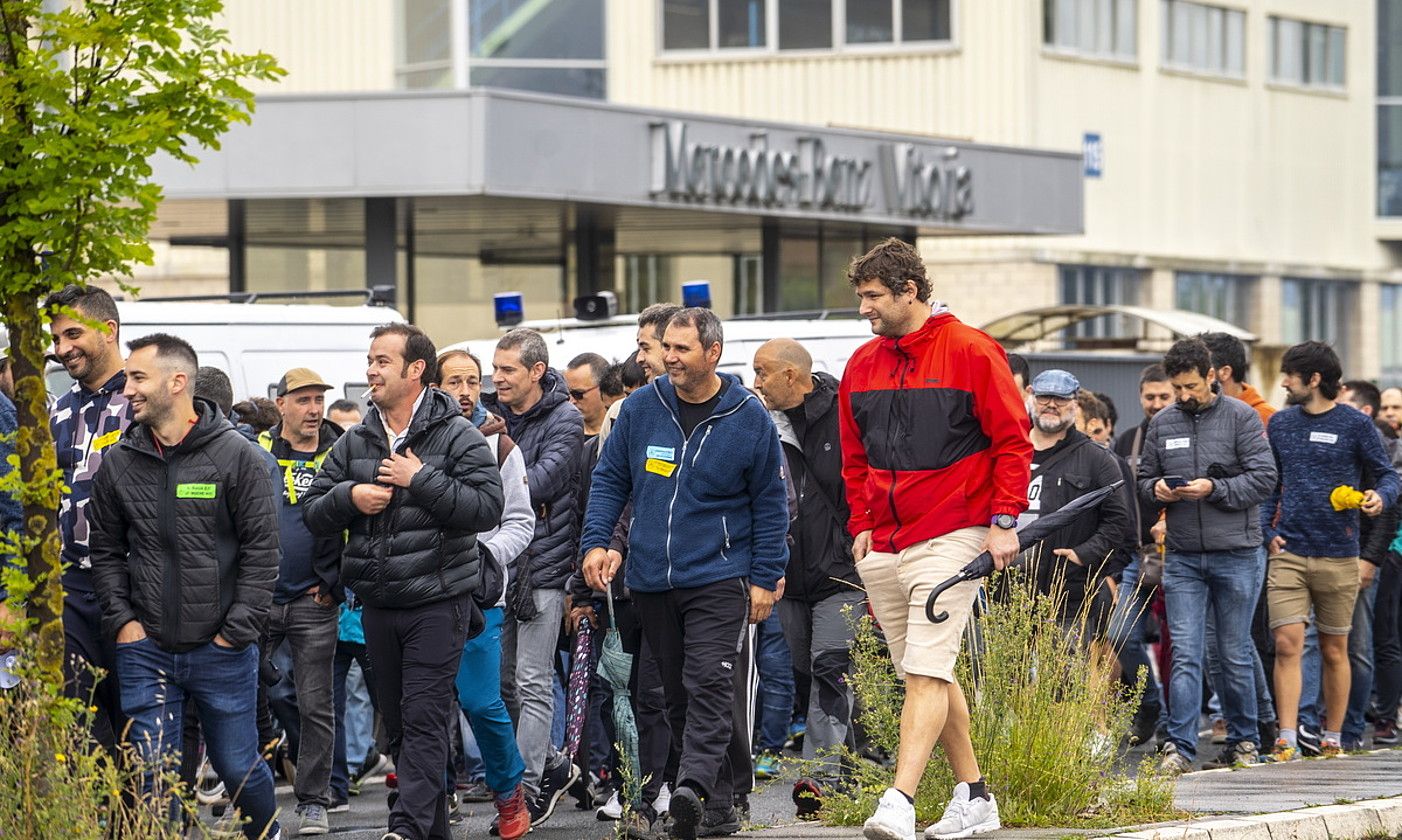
1206, 461
413, 484
1081, 557
1319, 446
86, 422
185, 554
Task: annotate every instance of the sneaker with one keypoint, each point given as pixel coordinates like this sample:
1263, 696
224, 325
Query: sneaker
742, 808
640, 824
611, 810
807, 799
1330, 749
719, 822
553, 784
797, 730
1308, 741
766, 766
1283, 751
313, 820
476, 792
1385, 733
1172, 762
894, 818
1142, 731
374, 765
339, 806
1240, 754
1219, 732
1269, 730
686, 812
513, 817
965, 817
393, 835
582, 792
663, 803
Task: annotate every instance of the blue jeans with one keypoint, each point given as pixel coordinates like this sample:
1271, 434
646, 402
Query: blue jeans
1311, 679
1126, 634
775, 668
223, 683
479, 694
1228, 584
1265, 705
1360, 660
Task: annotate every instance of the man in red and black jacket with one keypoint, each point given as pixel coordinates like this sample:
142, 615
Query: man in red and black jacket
936, 459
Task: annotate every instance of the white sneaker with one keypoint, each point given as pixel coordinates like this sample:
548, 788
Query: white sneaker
610, 810
965, 817
663, 801
894, 818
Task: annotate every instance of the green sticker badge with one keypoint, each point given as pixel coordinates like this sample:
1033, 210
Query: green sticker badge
196, 491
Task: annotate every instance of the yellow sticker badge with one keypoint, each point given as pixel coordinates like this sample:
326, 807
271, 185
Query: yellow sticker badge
662, 468
103, 441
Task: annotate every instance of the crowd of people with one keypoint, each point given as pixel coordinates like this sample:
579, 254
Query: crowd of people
333, 592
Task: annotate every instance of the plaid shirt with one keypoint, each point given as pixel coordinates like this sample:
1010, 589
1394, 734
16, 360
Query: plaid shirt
84, 424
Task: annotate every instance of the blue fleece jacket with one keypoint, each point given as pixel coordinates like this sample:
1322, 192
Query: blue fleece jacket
705, 508
1316, 453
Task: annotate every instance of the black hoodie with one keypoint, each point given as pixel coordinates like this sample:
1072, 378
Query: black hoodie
184, 538
307, 559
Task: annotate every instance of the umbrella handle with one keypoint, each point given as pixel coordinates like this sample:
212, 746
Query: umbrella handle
941, 616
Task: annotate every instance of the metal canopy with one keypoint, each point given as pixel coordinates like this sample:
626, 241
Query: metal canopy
1036, 324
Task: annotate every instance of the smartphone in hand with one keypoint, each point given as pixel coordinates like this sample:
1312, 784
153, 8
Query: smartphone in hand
1175, 481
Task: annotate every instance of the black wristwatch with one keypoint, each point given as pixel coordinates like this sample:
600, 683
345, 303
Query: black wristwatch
1006, 521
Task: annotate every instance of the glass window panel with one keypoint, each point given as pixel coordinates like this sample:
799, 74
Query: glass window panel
1104, 27
1199, 22
536, 29
1125, 28
1390, 47
1391, 327
869, 22
427, 32
686, 24
1064, 31
1236, 43
925, 20
1085, 24
1336, 56
1315, 64
1182, 34
741, 23
1215, 29
1289, 44
805, 24
573, 81
838, 252
798, 274
1390, 160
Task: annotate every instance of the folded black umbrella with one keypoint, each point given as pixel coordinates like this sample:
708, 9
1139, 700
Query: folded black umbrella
1027, 536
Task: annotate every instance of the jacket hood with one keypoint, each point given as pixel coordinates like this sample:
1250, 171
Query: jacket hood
327, 436
734, 395
820, 400
913, 344
438, 407
210, 422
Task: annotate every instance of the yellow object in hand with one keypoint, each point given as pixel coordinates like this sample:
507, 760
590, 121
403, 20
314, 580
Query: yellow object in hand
1345, 497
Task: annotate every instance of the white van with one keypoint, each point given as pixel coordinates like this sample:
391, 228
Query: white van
831, 342
256, 343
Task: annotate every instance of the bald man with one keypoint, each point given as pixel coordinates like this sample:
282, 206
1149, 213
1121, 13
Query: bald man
822, 588
1391, 411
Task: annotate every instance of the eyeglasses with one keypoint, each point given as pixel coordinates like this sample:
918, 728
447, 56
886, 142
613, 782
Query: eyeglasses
576, 394
1056, 401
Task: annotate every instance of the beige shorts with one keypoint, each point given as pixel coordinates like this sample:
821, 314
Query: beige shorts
898, 585
1294, 584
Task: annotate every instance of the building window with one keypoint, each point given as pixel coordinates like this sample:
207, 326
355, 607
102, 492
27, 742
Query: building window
1104, 28
1307, 54
547, 46
776, 25
1223, 296
1208, 39
1105, 286
1390, 107
1317, 310
1390, 324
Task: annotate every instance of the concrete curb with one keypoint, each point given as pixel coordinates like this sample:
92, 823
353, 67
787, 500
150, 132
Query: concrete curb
1371, 818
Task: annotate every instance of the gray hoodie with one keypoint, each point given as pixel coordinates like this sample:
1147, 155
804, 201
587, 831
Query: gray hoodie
517, 527
1224, 442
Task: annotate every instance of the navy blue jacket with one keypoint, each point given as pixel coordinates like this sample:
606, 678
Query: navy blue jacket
705, 508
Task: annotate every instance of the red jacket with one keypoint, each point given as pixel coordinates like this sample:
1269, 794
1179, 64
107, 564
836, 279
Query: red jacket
934, 434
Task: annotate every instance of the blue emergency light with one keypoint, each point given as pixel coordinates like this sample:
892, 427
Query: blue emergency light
510, 308
697, 293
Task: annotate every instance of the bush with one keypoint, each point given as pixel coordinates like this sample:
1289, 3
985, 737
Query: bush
1047, 719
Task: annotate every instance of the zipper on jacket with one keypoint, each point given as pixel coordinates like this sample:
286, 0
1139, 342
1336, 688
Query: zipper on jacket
702, 444
906, 363
725, 530
681, 462
171, 589
1197, 470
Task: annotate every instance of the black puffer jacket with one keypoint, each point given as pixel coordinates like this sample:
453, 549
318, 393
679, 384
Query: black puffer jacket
186, 542
550, 435
422, 548
820, 560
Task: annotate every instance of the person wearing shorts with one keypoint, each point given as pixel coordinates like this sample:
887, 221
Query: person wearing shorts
936, 459
1311, 532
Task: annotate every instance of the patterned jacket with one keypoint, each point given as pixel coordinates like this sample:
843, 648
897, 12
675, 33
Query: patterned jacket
85, 425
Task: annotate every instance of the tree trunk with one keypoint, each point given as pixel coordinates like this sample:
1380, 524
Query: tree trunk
38, 466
